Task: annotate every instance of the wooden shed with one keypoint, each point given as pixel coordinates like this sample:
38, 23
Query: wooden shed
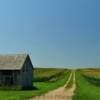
16, 70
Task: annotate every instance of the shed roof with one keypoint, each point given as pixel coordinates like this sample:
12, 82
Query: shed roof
12, 62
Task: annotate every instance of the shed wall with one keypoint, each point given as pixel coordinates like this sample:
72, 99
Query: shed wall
27, 74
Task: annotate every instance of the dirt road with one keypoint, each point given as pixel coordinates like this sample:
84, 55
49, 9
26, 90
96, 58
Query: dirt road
61, 93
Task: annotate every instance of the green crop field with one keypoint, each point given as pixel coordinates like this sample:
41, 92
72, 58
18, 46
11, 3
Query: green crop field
88, 84
48, 74
44, 80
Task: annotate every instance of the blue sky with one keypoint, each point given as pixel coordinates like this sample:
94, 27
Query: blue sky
56, 33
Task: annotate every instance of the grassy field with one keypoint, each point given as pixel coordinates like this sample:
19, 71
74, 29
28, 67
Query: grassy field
48, 74
87, 88
87, 84
45, 80
70, 82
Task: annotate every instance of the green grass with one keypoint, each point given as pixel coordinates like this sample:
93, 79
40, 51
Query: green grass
43, 87
70, 83
86, 90
47, 74
92, 75
95, 73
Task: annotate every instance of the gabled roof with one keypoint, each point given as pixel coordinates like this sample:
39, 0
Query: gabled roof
12, 62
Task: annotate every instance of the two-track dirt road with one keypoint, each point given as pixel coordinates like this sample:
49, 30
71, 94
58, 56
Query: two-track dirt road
61, 93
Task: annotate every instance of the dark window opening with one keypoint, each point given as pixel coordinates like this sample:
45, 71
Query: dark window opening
8, 81
7, 72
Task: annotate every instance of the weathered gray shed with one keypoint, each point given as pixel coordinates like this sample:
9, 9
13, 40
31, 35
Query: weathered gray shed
16, 70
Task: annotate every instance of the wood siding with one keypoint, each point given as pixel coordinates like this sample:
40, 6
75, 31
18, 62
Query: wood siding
27, 73
9, 78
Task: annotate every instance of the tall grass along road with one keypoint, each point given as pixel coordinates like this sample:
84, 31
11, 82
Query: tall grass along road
88, 87
61, 93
